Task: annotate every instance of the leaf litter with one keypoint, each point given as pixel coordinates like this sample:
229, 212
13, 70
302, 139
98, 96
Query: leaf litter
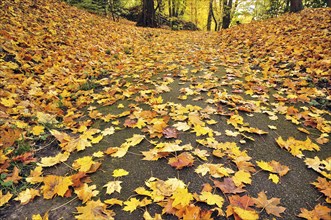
76, 80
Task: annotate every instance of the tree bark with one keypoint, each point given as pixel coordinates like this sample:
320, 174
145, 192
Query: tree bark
147, 18
328, 3
296, 5
210, 14
227, 14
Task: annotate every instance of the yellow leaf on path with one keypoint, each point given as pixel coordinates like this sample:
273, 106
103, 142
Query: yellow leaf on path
120, 172
274, 178
108, 131
5, 198
94, 210
27, 195
211, 199
86, 192
35, 175
113, 186
113, 201
264, 166
131, 205
39, 217
98, 154
241, 177
148, 216
51, 161
246, 214
37, 130
181, 197
83, 164
97, 139
55, 185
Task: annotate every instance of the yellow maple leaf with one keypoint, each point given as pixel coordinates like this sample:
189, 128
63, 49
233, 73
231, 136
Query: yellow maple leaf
94, 210
131, 205
5, 198
211, 199
27, 195
97, 139
35, 175
241, 177
264, 166
181, 197
38, 129
246, 214
113, 186
39, 217
98, 154
51, 161
86, 192
120, 172
113, 201
55, 185
274, 178
8, 102
83, 164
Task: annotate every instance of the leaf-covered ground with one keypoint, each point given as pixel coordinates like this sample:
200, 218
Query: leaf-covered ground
103, 120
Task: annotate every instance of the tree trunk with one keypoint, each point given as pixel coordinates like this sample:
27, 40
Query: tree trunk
210, 14
147, 18
296, 6
170, 8
328, 2
227, 14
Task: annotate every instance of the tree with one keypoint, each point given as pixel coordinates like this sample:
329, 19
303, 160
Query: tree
147, 18
296, 5
227, 13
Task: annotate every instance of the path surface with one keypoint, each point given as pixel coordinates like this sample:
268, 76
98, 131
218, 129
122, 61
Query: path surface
197, 114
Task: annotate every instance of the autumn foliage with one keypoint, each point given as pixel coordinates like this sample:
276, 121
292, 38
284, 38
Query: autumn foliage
60, 67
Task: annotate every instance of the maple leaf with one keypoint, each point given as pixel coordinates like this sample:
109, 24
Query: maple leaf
25, 158
76, 179
5, 198
181, 197
211, 199
94, 210
131, 205
228, 186
323, 186
295, 147
37, 130
148, 216
113, 201
170, 132
246, 214
184, 159
83, 164
55, 185
51, 161
271, 205
319, 212
314, 163
35, 176
27, 195
182, 126
120, 172
86, 192
241, 177
14, 176
113, 186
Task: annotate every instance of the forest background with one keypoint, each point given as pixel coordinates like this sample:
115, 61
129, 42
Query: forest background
196, 14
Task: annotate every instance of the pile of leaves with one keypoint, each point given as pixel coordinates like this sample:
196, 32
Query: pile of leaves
60, 66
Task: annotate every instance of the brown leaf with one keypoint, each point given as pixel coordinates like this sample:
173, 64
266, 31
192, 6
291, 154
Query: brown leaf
182, 160
228, 186
170, 132
319, 212
271, 205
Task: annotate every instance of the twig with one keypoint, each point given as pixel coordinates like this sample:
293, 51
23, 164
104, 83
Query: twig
63, 204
